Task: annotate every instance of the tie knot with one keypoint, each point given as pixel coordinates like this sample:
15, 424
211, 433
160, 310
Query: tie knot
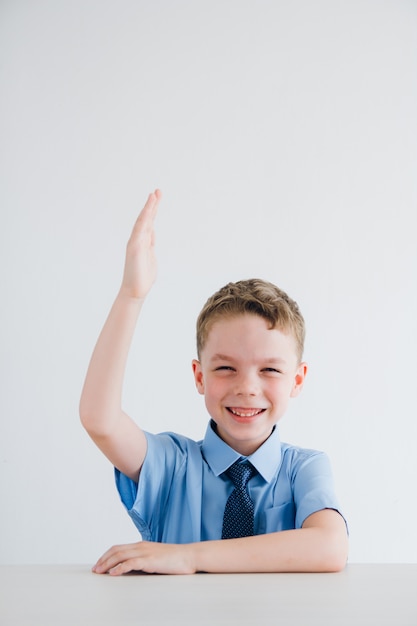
241, 473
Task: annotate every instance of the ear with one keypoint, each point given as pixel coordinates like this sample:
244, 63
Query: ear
299, 378
198, 376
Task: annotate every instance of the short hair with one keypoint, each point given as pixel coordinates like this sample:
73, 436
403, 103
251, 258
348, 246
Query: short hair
257, 297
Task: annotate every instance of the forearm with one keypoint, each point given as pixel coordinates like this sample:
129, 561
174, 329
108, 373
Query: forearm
100, 403
303, 550
320, 546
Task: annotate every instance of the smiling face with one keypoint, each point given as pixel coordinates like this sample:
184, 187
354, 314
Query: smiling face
247, 373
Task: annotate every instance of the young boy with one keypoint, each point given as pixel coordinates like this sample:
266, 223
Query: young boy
238, 501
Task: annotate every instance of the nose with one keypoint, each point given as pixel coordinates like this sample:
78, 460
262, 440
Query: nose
247, 384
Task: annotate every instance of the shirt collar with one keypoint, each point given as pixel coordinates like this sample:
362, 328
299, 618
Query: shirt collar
220, 456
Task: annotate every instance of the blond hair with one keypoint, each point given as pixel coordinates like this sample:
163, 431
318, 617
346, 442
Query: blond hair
256, 297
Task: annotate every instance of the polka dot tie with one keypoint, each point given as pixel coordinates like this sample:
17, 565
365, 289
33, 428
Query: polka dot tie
238, 513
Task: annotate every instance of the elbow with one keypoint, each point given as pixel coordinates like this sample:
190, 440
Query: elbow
335, 553
336, 564
89, 419
97, 421
328, 540
86, 417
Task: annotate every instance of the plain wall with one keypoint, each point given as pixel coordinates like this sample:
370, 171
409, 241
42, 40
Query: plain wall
283, 136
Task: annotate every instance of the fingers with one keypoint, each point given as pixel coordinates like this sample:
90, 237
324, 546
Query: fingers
140, 262
149, 557
146, 217
153, 199
118, 560
152, 202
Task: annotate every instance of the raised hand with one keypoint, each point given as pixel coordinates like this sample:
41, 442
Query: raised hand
117, 436
140, 264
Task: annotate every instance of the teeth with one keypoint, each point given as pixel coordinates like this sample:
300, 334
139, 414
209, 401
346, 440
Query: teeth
246, 413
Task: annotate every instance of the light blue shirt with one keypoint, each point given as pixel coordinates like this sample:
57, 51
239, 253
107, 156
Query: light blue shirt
182, 490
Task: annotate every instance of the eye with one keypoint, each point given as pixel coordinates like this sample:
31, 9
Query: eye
271, 370
224, 368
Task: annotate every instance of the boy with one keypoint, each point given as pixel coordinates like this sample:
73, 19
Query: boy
239, 501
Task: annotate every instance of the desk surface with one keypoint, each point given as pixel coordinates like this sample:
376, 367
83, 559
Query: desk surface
70, 595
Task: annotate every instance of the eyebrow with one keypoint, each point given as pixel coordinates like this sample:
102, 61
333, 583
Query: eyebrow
225, 357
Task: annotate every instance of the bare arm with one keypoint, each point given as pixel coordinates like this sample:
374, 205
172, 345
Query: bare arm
119, 437
320, 546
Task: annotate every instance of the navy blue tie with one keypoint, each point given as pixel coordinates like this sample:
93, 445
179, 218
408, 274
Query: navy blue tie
238, 513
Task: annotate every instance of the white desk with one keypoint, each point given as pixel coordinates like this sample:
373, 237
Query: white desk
69, 595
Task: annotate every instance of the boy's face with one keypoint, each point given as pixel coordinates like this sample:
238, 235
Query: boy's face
247, 373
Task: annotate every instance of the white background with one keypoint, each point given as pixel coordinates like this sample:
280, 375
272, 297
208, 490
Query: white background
283, 136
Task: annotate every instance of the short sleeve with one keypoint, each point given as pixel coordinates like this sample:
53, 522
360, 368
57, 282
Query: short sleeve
313, 485
146, 500
164, 490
